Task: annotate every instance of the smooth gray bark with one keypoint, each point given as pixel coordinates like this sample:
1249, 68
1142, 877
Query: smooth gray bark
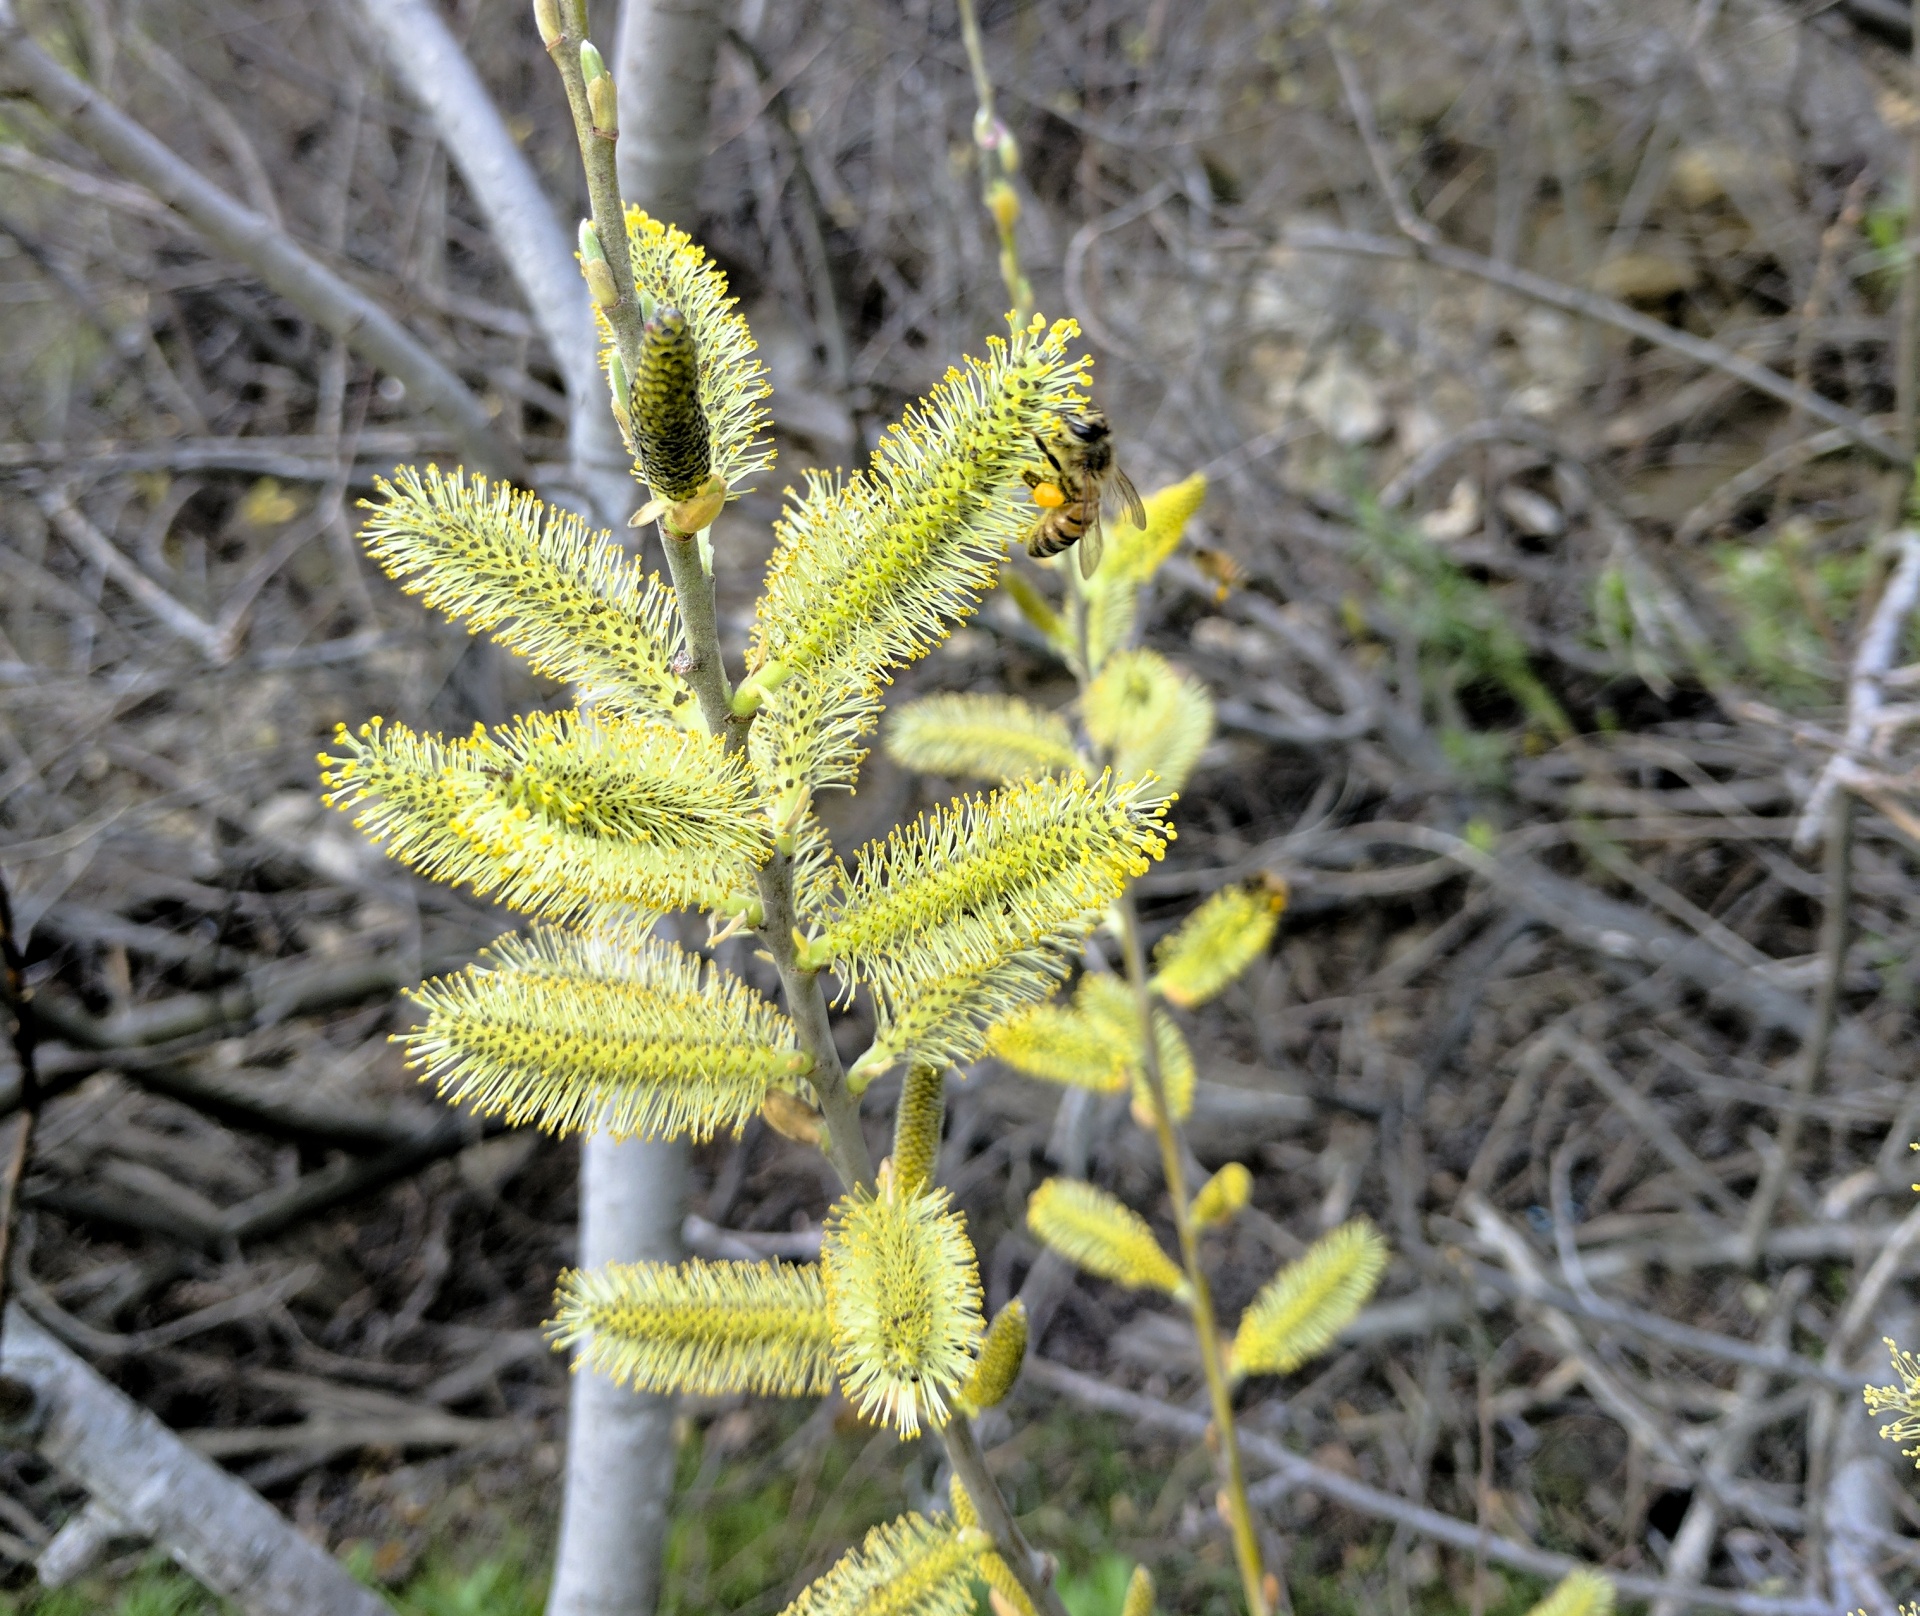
422, 51
620, 1444
217, 1528
619, 1481
620, 1452
664, 60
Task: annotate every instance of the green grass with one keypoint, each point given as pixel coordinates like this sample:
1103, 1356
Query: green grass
500, 1585
156, 1589
770, 1496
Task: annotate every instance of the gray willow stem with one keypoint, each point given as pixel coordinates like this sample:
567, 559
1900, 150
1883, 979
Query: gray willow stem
597, 158
845, 1145
1246, 1537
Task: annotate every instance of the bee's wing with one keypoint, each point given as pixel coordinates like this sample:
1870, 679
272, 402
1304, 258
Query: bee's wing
1093, 544
1122, 495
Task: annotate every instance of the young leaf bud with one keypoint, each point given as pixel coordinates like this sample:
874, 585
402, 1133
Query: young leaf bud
791, 1117
546, 17
916, 1126
594, 265
752, 692
670, 428
1004, 203
601, 100
621, 389
692, 514
1002, 1351
1222, 1195
1139, 1600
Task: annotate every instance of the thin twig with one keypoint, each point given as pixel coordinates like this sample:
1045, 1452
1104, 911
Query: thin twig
255, 241
1292, 1473
1206, 1333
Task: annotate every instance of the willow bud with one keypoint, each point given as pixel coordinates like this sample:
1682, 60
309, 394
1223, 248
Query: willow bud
791, 1117
1003, 202
1003, 1349
670, 429
1222, 1195
601, 100
546, 17
593, 264
621, 388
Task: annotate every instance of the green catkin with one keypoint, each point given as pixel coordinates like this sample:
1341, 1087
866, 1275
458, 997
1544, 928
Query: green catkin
670, 430
1003, 1349
916, 1127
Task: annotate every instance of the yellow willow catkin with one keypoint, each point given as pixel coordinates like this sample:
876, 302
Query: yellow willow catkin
909, 1567
1002, 1351
1102, 1235
987, 736
903, 1292
569, 1031
540, 581
1217, 942
1310, 1301
1901, 1401
704, 1327
673, 272
946, 1019
669, 427
1222, 1195
1140, 1590
1034, 864
1580, 1593
916, 1127
1004, 1592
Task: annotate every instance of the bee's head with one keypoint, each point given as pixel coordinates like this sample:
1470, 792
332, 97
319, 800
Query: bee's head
1088, 428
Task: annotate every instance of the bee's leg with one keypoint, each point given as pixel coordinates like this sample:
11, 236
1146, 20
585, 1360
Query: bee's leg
1052, 459
1032, 476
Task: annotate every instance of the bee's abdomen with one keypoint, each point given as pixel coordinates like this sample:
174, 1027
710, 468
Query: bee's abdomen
1056, 531
669, 429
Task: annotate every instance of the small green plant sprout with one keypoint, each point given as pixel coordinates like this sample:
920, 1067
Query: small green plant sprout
1140, 720
683, 780
1464, 634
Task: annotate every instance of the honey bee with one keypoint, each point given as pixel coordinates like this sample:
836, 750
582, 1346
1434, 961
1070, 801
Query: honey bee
1080, 477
